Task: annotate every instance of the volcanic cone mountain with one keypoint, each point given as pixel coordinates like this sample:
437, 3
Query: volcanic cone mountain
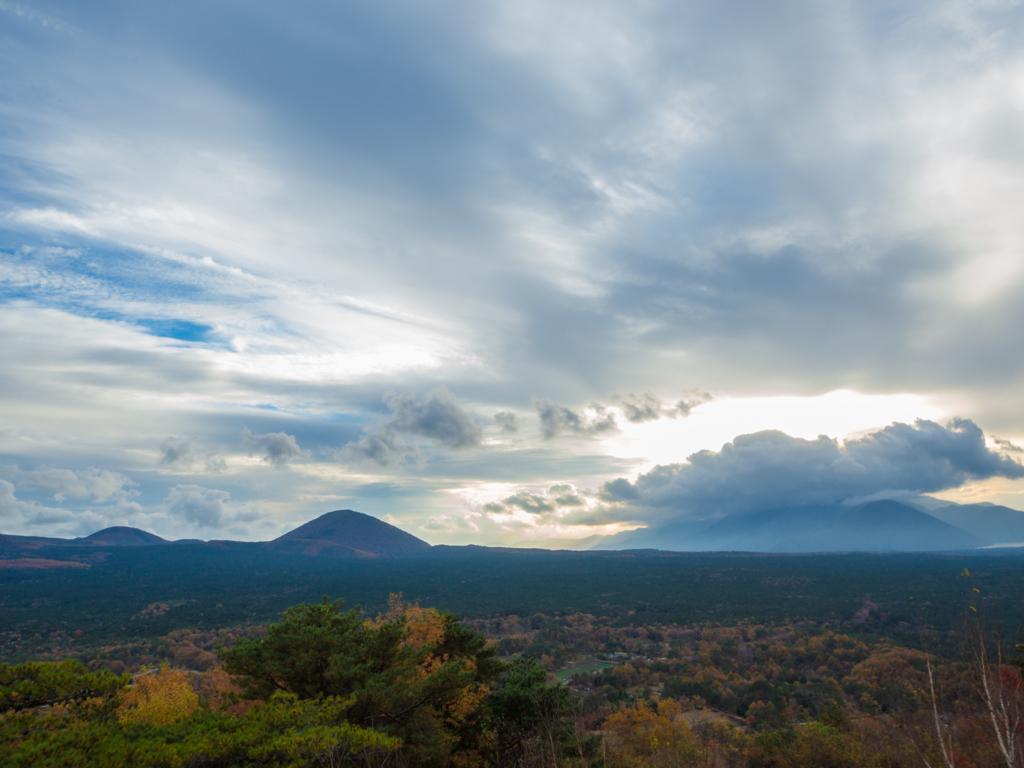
122, 536
346, 533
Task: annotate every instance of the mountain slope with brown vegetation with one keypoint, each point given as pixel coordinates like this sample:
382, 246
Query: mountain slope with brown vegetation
346, 533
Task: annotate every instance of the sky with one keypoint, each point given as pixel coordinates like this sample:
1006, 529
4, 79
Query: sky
505, 271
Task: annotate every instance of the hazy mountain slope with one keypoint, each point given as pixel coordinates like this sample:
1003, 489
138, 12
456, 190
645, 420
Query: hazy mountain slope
989, 522
578, 545
674, 537
884, 526
757, 532
871, 527
763, 531
346, 533
122, 536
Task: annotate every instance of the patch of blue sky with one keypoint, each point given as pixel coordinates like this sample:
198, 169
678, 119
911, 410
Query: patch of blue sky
182, 330
114, 283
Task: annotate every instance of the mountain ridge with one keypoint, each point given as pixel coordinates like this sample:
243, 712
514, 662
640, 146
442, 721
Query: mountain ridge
341, 533
882, 525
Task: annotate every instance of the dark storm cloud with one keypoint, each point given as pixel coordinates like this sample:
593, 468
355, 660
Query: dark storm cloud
439, 419
556, 419
275, 448
768, 470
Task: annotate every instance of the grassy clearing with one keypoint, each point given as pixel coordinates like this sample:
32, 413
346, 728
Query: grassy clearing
583, 665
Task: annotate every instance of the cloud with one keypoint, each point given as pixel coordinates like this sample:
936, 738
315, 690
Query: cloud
691, 400
638, 408
565, 495
1006, 445
529, 502
28, 514
203, 506
275, 448
64, 483
556, 419
438, 419
175, 450
8, 504
550, 502
769, 470
449, 523
508, 421
215, 464
383, 447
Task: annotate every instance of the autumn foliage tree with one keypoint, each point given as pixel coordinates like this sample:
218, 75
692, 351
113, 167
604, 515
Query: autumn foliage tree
413, 673
652, 734
159, 698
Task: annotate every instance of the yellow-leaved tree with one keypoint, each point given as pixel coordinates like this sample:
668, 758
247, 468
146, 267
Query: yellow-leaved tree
645, 736
159, 698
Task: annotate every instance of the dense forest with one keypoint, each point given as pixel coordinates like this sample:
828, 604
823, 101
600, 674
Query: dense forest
145, 593
562, 659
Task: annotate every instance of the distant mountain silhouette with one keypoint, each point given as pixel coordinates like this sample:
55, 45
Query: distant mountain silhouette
122, 536
343, 533
346, 533
885, 525
755, 532
871, 527
674, 537
578, 545
766, 531
991, 523
118, 536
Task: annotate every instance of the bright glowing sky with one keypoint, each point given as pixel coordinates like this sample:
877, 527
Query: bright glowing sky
260, 261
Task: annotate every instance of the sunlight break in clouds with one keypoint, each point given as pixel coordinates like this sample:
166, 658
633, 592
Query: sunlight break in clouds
710, 425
